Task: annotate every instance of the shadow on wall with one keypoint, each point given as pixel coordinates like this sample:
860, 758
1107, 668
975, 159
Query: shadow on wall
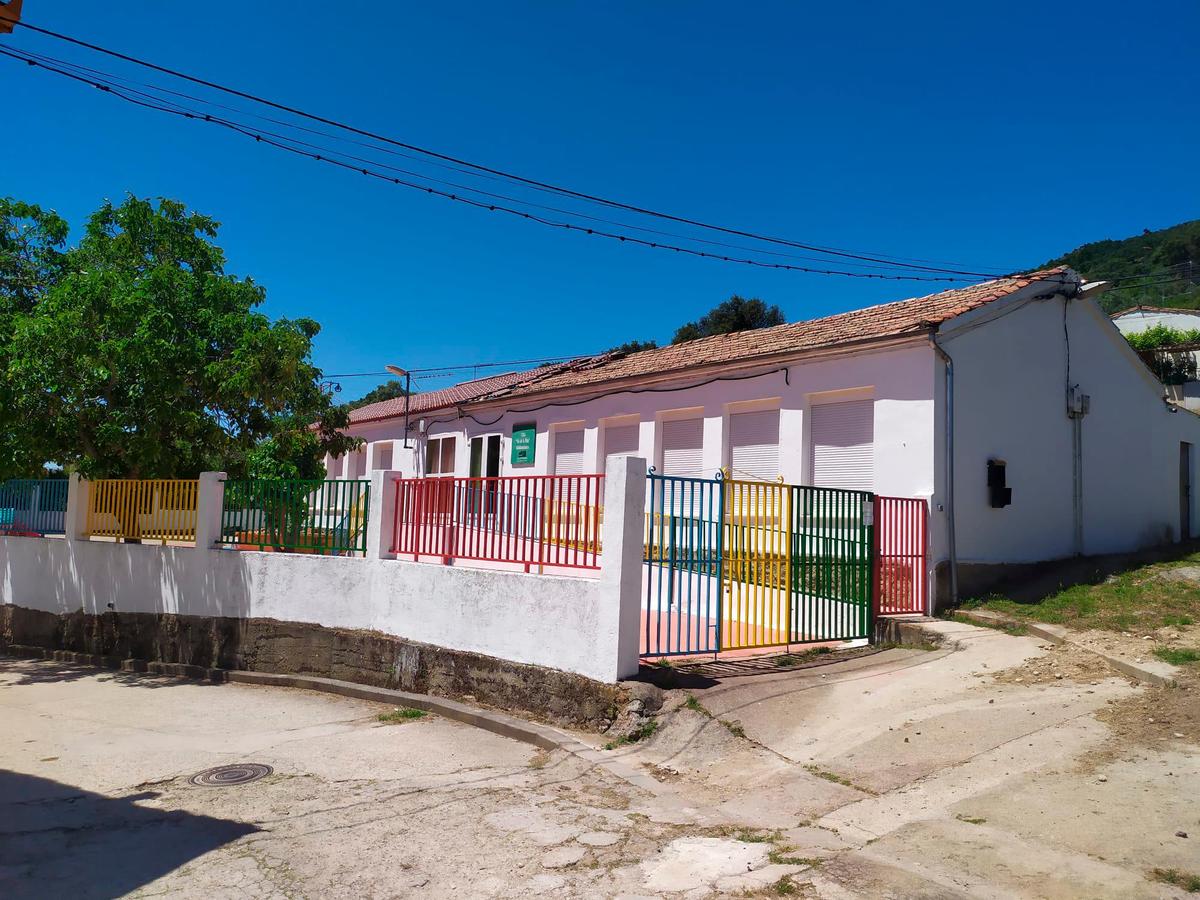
61, 841
49, 575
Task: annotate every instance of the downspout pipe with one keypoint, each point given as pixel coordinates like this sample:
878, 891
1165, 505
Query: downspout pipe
951, 543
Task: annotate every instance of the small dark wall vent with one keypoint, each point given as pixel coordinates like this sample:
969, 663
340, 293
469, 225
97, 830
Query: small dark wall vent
999, 493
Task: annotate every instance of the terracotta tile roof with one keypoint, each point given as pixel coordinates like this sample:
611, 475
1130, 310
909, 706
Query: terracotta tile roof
451, 396
873, 323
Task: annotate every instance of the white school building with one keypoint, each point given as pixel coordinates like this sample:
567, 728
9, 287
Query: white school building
1014, 407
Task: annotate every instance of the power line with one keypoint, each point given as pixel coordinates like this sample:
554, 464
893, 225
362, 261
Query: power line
52, 63
897, 262
287, 145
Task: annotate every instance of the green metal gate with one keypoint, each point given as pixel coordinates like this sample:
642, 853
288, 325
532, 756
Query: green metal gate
735, 565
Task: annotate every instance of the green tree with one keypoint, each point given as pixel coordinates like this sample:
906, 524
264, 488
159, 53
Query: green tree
735, 314
633, 347
1154, 268
140, 357
389, 390
31, 259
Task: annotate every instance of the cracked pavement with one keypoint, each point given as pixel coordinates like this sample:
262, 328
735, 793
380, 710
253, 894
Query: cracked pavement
902, 773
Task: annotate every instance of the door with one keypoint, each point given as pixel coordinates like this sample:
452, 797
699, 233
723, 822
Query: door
484, 463
1185, 490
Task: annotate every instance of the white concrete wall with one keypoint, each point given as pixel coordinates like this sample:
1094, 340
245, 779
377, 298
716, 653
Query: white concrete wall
585, 626
1010, 364
901, 380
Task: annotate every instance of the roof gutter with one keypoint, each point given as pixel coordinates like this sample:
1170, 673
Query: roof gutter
951, 543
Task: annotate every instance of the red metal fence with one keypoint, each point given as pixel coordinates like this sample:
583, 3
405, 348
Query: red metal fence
530, 520
901, 537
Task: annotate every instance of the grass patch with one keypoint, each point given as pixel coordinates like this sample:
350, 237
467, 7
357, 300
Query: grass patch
837, 779
696, 706
643, 731
794, 659
1177, 657
970, 820
785, 887
735, 728
1186, 880
663, 664
1140, 599
1016, 629
746, 836
780, 856
401, 714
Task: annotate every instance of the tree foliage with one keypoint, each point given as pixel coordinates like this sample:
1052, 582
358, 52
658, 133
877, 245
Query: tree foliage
1159, 268
134, 354
735, 314
633, 347
1156, 346
389, 390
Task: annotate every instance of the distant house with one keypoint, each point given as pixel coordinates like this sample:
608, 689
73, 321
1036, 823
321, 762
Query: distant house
1020, 384
1141, 318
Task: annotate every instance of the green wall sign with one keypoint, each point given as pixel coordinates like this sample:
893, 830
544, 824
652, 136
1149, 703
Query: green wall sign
524, 442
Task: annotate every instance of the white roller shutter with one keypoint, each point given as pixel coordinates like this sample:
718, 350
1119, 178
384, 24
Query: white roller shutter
754, 445
843, 445
683, 440
568, 452
621, 440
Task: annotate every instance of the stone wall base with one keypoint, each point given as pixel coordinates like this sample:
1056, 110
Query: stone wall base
297, 648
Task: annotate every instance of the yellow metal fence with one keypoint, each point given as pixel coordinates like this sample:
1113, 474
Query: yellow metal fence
758, 563
143, 509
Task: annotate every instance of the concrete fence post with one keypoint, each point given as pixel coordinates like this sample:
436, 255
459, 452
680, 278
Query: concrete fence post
210, 504
381, 517
621, 562
75, 518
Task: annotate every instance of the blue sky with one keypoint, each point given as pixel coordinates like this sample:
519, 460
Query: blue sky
996, 135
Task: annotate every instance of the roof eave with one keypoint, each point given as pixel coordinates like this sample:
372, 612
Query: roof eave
617, 385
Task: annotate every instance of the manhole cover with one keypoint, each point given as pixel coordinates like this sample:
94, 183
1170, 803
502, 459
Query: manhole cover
229, 776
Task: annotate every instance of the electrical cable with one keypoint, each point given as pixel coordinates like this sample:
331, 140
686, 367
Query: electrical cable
259, 137
829, 251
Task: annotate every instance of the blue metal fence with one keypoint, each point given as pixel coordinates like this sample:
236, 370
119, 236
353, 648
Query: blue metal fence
33, 505
683, 565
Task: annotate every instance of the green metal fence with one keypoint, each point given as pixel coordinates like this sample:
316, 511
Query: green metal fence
739, 565
33, 505
296, 516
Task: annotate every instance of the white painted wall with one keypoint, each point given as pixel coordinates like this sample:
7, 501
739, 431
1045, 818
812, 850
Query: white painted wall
1010, 379
901, 380
586, 626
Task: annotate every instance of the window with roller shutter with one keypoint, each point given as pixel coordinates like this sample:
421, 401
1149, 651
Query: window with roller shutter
843, 444
682, 446
621, 440
754, 445
568, 452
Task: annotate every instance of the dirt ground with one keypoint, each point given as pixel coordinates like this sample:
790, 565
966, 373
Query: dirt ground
973, 772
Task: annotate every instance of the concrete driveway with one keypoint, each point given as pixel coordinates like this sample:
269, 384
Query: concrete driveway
999, 770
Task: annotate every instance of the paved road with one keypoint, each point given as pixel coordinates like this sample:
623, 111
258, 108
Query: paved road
978, 773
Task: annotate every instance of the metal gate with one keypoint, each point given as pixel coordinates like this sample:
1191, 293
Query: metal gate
684, 543
734, 565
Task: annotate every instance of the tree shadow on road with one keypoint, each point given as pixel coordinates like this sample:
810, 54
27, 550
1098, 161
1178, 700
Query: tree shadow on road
43, 671
57, 840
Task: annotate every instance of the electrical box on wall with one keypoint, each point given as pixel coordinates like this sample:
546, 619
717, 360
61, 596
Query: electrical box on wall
999, 493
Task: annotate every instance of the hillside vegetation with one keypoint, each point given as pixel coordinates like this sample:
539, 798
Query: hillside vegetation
1159, 268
